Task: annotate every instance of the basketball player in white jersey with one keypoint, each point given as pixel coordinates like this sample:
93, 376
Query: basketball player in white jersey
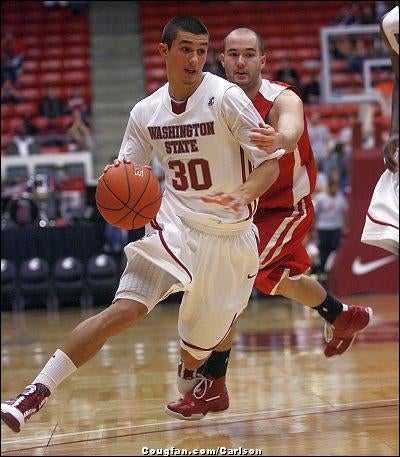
198, 125
284, 216
381, 227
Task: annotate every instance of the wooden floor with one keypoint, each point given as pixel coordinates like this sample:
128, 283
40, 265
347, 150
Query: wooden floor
286, 398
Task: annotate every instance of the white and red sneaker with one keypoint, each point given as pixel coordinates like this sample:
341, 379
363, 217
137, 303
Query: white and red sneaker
16, 412
341, 333
209, 396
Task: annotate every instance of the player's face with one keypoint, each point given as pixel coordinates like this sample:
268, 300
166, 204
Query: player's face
242, 60
186, 58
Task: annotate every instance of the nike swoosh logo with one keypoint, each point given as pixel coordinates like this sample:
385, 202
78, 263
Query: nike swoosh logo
251, 276
358, 268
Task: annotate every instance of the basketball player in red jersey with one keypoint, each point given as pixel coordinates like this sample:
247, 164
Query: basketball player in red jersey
284, 216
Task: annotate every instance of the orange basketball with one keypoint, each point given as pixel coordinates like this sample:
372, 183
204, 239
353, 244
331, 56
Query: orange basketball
128, 196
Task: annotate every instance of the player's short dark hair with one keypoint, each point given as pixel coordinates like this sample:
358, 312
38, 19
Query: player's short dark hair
260, 40
182, 23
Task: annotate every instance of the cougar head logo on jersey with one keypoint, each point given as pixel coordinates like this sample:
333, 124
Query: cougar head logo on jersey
211, 101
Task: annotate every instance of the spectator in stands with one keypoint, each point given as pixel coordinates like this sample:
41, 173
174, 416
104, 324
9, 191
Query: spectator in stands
367, 15
381, 8
31, 128
311, 89
358, 54
310, 242
12, 54
330, 220
79, 131
52, 135
23, 144
53, 4
9, 93
77, 100
287, 73
213, 64
341, 48
51, 106
78, 7
336, 163
320, 136
345, 136
347, 15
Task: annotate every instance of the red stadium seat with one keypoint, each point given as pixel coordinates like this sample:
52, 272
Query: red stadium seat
76, 51
63, 122
76, 39
55, 52
75, 64
7, 110
5, 140
26, 108
76, 77
14, 123
51, 79
33, 40
5, 126
53, 40
41, 122
30, 94
31, 66
28, 80
51, 65
33, 53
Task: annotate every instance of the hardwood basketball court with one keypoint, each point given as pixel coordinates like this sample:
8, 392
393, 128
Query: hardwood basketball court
286, 397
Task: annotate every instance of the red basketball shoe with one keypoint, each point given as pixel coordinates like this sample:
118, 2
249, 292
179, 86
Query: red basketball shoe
17, 411
209, 396
341, 333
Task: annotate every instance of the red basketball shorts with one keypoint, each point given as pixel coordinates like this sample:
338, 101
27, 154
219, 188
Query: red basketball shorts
281, 249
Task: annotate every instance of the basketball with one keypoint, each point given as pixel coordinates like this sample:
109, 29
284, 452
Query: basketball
128, 196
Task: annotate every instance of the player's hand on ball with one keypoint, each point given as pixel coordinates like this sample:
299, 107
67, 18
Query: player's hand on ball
231, 201
266, 138
116, 163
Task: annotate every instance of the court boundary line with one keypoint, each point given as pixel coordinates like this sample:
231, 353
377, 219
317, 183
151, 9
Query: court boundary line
269, 415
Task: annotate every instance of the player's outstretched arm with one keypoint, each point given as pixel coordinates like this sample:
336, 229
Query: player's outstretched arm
258, 182
285, 125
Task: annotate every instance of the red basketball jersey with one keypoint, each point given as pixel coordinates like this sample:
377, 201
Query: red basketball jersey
297, 170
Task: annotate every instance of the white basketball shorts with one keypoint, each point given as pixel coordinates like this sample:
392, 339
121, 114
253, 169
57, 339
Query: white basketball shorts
216, 270
381, 227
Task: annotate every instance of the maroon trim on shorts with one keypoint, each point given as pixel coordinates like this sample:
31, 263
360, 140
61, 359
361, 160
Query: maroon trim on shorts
380, 222
219, 342
155, 225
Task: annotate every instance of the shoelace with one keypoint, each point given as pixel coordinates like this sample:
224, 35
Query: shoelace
204, 383
328, 332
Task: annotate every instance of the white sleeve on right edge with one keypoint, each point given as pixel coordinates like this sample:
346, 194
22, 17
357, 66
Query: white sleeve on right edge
135, 145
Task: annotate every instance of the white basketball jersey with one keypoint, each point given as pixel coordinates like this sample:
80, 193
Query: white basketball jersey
390, 25
203, 149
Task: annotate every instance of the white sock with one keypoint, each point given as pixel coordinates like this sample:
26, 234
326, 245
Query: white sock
58, 368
